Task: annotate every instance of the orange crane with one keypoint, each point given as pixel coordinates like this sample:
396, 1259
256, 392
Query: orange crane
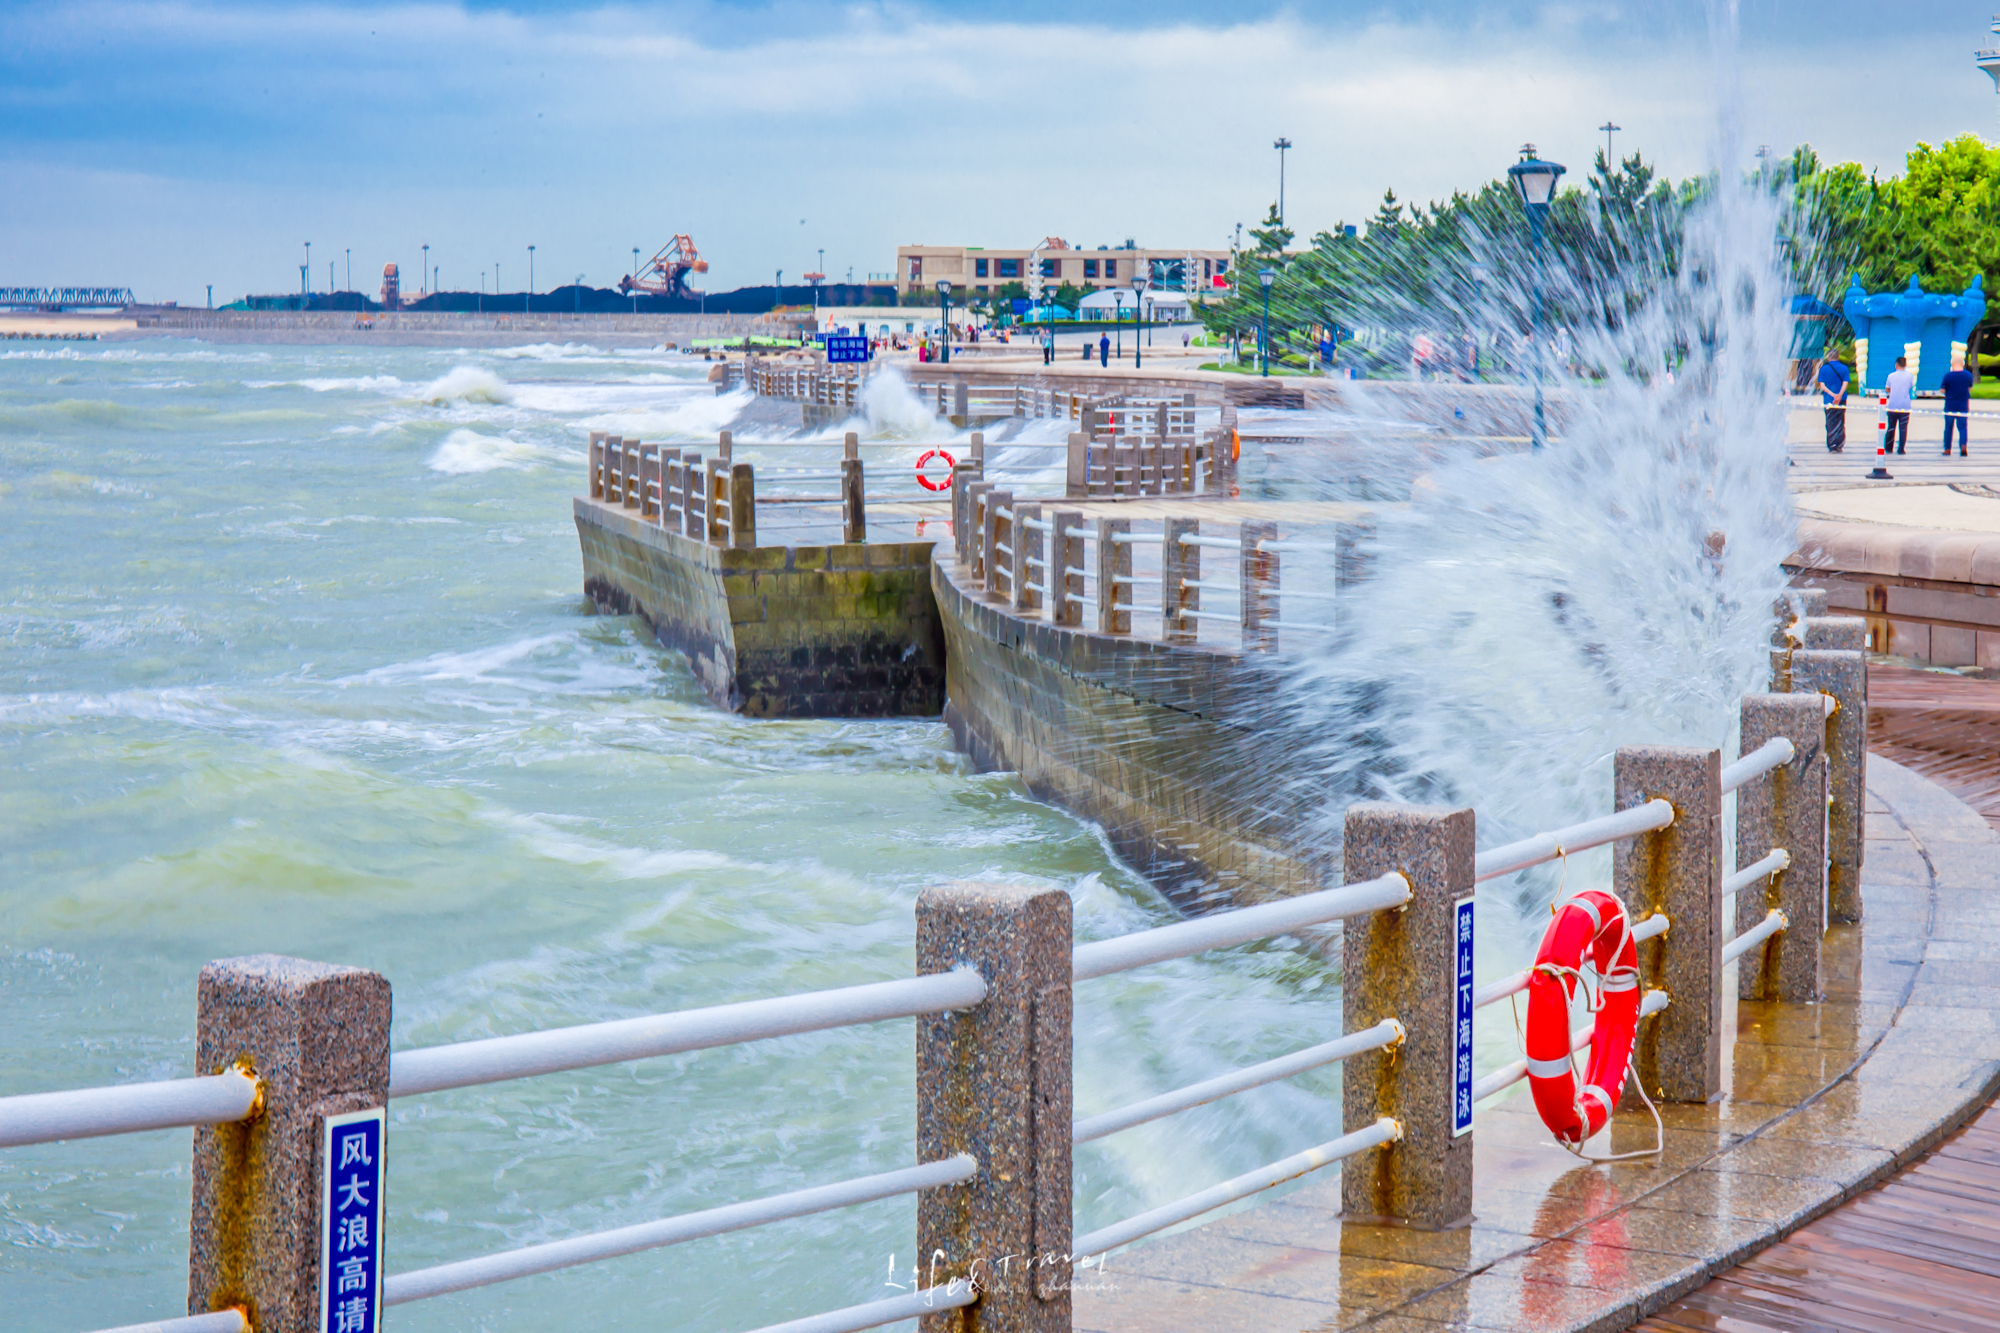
665, 274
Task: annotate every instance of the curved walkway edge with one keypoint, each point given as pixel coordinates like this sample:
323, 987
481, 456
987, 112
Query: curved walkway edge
1821, 1102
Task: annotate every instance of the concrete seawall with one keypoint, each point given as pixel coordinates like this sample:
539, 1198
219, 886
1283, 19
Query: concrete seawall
1171, 748
843, 630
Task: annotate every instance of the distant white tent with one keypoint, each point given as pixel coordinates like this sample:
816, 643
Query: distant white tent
1161, 307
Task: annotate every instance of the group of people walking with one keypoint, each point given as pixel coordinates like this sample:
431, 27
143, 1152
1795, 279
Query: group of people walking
1900, 386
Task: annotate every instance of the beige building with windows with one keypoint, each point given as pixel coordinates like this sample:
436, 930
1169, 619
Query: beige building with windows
974, 271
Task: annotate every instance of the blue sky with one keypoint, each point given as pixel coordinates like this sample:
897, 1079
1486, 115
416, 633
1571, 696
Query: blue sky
171, 145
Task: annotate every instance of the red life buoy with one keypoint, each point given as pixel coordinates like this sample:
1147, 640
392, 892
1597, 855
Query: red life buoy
1594, 926
926, 482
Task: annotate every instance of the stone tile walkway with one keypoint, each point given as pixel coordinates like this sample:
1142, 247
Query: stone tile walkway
1821, 1103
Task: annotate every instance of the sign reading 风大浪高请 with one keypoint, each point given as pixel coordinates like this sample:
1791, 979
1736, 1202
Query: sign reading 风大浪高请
852, 347
350, 1223
1461, 1053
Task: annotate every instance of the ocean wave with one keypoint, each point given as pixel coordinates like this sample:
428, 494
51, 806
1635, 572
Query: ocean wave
468, 384
468, 451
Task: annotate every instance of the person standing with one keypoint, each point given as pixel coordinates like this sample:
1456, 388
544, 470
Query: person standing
1900, 386
1104, 349
1833, 399
1957, 388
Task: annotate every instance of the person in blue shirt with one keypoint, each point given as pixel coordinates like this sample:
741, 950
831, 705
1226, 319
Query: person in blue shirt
1833, 399
1957, 388
1104, 349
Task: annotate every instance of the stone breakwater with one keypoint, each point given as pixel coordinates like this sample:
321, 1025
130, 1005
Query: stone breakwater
843, 630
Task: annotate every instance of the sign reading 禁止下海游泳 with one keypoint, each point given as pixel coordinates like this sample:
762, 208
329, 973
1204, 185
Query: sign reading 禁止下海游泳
1461, 1026
350, 1223
853, 347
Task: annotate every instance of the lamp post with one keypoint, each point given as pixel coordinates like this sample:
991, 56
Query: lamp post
1281, 145
425, 276
350, 268
635, 279
528, 304
1266, 276
1049, 322
944, 301
1118, 324
1139, 315
1536, 181
308, 278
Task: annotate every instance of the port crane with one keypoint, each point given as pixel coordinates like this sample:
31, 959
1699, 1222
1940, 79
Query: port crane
665, 274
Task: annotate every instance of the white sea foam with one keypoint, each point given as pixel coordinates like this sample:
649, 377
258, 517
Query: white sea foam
468, 384
467, 451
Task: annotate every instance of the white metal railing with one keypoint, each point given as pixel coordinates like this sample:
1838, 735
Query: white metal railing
1773, 753
1222, 929
1773, 922
231, 1320
1516, 982
1106, 1239
466, 1274
1546, 847
1769, 863
497, 1059
1386, 1033
130, 1108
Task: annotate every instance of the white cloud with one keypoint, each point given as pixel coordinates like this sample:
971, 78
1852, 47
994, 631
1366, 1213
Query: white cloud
247, 130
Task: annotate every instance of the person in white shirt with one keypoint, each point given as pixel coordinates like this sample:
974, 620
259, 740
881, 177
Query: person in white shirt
1901, 384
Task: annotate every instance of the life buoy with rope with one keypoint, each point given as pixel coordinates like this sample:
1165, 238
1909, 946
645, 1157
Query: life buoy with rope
1592, 926
925, 481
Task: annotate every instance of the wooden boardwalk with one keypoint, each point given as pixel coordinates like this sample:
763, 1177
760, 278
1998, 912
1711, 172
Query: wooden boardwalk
1922, 1250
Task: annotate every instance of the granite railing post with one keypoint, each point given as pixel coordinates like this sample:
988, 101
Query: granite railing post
993, 534
1676, 870
850, 446
975, 521
596, 465
1076, 481
317, 1037
1785, 809
742, 506
1837, 634
995, 1082
1844, 675
1066, 555
1029, 560
976, 449
853, 501
694, 498
649, 481
963, 477
1793, 607
960, 409
1114, 577
717, 504
1180, 565
723, 444
1401, 964
1258, 571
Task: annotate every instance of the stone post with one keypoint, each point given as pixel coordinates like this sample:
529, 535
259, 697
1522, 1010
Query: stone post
1400, 965
975, 523
673, 495
649, 480
1066, 554
995, 1082
1845, 677
961, 411
1786, 808
669, 460
850, 447
976, 444
853, 501
1114, 577
1132, 459
993, 535
963, 477
694, 498
596, 473
722, 446
1180, 564
633, 454
1077, 481
1029, 560
317, 1036
1839, 634
1259, 596
1793, 606
717, 483
1676, 870
742, 506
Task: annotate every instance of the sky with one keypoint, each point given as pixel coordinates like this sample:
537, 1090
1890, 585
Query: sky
169, 146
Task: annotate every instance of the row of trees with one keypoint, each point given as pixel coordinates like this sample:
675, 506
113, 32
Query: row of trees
1461, 270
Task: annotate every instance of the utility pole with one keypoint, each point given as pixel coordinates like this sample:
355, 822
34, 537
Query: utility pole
1281, 145
1610, 162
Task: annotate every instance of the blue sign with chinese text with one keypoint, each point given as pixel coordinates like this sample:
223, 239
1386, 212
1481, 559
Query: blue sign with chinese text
350, 1223
1461, 1055
853, 347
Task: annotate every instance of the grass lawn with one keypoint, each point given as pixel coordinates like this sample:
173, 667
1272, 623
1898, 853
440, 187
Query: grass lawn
1986, 389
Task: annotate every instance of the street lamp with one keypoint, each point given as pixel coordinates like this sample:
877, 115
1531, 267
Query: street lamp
350, 269
528, 303
1266, 276
944, 300
425, 276
1536, 181
1281, 145
635, 279
1139, 315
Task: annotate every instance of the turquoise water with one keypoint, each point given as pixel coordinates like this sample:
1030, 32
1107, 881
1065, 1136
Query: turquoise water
294, 658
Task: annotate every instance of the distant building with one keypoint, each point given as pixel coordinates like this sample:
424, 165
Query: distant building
392, 296
975, 271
